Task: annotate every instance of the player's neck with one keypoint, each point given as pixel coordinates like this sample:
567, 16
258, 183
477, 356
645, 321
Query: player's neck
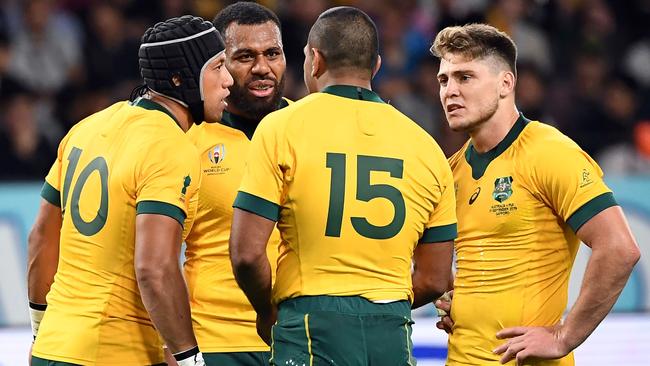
181, 113
351, 80
488, 135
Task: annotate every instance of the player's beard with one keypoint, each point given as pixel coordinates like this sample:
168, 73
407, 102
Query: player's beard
252, 107
485, 114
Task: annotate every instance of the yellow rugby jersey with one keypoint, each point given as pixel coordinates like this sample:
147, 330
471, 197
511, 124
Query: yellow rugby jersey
519, 206
122, 161
354, 185
223, 318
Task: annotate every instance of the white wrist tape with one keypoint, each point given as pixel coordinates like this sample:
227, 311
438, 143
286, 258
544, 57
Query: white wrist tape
36, 312
191, 357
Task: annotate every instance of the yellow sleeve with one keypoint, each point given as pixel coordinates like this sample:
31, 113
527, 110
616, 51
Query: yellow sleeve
168, 178
571, 182
442, 225
261, 188
51, 190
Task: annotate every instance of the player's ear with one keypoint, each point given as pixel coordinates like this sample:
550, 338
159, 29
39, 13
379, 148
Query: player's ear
377, 66
508, 83
318, 63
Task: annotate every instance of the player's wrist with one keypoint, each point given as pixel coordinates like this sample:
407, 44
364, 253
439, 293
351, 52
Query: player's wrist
190, 357
36, 312
564, 338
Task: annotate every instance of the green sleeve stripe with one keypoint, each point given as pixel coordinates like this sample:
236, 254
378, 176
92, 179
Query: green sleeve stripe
591, 209
438, 234
160, 208
257, 205
51, 194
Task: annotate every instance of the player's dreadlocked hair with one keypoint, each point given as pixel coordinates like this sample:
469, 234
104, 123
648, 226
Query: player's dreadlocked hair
172, 58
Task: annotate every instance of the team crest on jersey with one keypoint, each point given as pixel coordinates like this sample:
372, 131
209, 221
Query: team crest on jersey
502, 189
186, 183
217, 153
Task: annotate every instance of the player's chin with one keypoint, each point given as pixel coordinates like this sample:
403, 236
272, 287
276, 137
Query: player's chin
260, 100
455, 123
458, 124
214, 116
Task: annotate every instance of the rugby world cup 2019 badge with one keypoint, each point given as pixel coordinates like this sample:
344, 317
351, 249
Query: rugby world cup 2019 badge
502, 189
216, 155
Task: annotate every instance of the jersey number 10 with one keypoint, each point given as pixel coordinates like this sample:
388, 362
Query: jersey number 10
365, 193
92, 227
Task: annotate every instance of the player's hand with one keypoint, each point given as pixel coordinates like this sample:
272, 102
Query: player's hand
169, 358
443, 305
264, 324
531, 342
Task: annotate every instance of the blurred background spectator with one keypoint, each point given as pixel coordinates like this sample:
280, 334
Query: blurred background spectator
584, 66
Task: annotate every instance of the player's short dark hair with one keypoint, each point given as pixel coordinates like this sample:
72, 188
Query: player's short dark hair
347, 38
476, 41
245, 13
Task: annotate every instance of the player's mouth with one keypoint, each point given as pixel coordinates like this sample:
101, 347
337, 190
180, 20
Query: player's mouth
452, 107
261, 88
223, 100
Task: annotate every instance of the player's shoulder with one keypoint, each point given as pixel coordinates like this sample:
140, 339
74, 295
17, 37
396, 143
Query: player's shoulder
203, 136
540, 140
293, 111
99, 117
84, 129
459, 156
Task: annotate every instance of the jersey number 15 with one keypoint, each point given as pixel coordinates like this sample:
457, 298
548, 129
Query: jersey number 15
365, 193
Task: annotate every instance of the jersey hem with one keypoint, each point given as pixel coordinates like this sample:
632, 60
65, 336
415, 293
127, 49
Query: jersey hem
439, 234
591, 209
207, 349
51, 194
160, 208
78, 361
257, 205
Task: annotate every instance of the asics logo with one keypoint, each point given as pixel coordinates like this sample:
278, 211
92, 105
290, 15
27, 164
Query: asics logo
474, 195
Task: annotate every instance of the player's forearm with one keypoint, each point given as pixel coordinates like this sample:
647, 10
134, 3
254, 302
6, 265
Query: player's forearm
431, 271
164, 295
43, 257
41, 268
249, 235
253, 274
426, 290
604, 279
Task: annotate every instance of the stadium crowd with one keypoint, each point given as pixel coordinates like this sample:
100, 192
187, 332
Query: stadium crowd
584, 66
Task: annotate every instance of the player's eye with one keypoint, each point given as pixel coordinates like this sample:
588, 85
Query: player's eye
465, 77
245, 58
442, 81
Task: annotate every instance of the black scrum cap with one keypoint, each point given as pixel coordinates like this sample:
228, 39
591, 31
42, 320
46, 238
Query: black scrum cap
179, 47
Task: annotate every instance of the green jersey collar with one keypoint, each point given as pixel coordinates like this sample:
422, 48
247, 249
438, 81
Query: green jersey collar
479, 162
245, 125
353, 92
153, 106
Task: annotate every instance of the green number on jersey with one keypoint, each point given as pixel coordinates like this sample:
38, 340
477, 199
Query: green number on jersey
98, 164
365, 193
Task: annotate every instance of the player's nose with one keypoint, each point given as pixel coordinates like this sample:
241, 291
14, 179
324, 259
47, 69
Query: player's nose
261, 66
